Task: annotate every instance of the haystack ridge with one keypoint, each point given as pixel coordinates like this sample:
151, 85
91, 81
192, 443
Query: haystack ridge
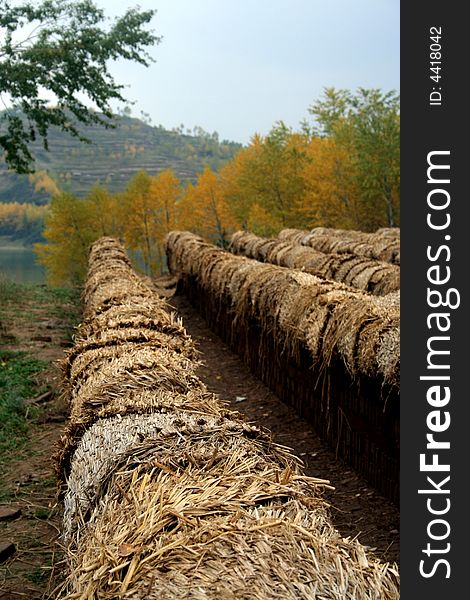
370, 275
167, 493
327, 349
383, 245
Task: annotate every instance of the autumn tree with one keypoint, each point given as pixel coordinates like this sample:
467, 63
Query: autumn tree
367, 126
69, 230
330, 197
165, 189
23, 221
235, 184
149, 207
105, 211
265, 182
62, 48
43, 182
205, 210
71, 225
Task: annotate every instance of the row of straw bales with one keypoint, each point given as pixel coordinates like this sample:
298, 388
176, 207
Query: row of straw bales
370, 275
383, 245
329, 350
392, 233
168, 494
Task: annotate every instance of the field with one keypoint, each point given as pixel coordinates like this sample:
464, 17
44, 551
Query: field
115, 354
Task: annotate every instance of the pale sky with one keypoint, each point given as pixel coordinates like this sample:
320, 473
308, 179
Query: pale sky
238, 66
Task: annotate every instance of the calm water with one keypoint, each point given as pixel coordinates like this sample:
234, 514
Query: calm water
17, 263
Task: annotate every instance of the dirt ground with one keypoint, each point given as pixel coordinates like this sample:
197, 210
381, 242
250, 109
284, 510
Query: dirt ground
43, 330
35, 568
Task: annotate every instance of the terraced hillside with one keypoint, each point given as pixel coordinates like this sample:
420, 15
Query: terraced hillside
114, 156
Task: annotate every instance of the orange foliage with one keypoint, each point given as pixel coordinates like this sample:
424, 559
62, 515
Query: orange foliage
204, 209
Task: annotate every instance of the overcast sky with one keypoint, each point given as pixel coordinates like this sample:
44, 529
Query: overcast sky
238, 66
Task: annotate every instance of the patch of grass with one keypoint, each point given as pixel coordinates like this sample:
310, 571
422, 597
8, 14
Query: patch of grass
10, 291
23, 302
39, 575
17, 383
42, 513
19, 293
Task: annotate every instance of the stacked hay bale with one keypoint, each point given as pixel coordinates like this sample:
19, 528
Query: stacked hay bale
370, 275
168, 494
383, 245
329, 350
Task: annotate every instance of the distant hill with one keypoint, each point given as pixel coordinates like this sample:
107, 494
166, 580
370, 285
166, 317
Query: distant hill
115, 156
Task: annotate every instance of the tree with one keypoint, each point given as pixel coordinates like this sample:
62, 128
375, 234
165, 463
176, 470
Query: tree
69, 230
148, 214
330, 198
367, 126
61, 47
205, 210
165, 191
22, 221
43, 182
71, 225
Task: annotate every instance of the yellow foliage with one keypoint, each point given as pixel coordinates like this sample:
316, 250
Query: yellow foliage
269, 174
70, 229
261, 222
330, 198
149, 214
20, 219
43, 182
205, 210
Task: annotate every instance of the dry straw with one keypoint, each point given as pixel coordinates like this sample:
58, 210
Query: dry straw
167, 493
369, 275
383, 245
301, 308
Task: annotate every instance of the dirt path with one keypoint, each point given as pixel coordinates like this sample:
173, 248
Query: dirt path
38, 322
357, 508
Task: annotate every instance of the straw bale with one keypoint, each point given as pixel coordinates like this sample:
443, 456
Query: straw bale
277, 255
363, 273
265, 248
299, 256
136, 366
360, 274
384, 246
292, 235
152, 314
347, 263
302, 309
117, 327
356, 331
254, 244
322, 265
110, 441
89, 355
197, 401
386, 232
221, 522
318, 322
349, 234
385, 280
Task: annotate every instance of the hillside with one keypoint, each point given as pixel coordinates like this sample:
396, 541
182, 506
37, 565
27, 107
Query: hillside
115, 155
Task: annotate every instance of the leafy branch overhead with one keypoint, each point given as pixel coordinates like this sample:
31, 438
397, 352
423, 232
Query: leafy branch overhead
54, 61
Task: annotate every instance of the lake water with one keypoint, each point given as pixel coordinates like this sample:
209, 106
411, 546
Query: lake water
18, 264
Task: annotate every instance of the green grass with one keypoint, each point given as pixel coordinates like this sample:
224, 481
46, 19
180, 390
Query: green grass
11, 291
39, 575
17, 383
24, 304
